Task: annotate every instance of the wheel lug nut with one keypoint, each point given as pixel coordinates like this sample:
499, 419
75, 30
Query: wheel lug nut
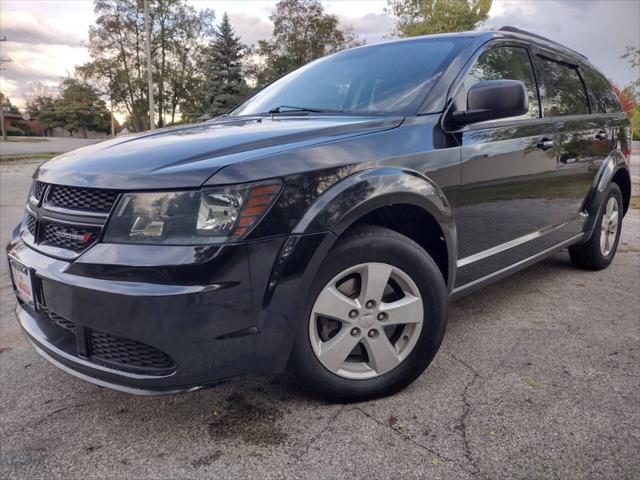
370, 304
373, 333
355, 331
382, 316
405, 338
353, 313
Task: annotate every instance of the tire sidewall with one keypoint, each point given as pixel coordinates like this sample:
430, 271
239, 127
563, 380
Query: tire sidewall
383, 246
612, 192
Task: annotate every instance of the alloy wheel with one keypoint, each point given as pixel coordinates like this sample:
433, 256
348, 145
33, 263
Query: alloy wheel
609, 226
366, 321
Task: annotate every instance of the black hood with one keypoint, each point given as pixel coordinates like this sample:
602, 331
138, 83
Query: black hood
187, 156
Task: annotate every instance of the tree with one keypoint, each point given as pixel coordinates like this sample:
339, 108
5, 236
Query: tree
118, 64
79, 108
631, 106
42, 107
302, 32
425, 17
633, 54
9, 107
226, 86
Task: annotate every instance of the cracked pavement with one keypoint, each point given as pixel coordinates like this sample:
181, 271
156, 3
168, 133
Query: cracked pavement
538, 377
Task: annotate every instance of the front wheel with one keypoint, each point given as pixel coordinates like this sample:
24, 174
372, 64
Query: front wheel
598, 252
375, 317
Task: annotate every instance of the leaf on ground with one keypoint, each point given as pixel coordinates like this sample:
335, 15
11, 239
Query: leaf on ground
435, 461
392, 420
530, 381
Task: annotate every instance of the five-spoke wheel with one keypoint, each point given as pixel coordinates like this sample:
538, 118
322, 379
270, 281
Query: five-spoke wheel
366, 320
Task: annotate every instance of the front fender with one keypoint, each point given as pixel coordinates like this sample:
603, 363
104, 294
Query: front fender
356, 195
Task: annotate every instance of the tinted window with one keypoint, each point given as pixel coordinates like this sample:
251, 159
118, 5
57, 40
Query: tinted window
564, 92
386, 78
603, 98
506, 63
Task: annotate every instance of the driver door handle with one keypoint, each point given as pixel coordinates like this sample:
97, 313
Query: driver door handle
545, 144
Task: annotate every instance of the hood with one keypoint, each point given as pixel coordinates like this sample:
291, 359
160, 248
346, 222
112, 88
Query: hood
185, 157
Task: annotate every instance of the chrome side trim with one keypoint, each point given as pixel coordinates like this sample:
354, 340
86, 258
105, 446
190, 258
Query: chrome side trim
512, 243
500, 274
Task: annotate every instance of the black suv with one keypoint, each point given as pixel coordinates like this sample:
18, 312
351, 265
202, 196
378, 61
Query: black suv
327, 221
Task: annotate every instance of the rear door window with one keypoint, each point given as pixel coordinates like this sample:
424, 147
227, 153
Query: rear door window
603, 98
564, 92
506, 63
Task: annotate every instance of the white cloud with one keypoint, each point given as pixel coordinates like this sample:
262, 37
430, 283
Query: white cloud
45, 38
599, 29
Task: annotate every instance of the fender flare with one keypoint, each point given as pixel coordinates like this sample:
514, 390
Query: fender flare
365, 191
609, 168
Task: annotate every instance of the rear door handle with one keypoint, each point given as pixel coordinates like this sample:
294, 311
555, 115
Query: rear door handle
545, 144
601, 136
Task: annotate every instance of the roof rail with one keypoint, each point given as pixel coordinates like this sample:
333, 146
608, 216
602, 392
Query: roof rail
508, 28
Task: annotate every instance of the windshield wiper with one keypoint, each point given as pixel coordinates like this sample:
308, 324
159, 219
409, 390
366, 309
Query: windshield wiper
292, 109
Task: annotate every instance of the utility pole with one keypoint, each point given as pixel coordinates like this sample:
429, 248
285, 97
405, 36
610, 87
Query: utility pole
4, 130
2, 123
147, 28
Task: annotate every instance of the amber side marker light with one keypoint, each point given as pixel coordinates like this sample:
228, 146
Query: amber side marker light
258, 200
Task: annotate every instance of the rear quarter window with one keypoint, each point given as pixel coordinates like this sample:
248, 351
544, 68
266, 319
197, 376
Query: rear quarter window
603, 98
564, 92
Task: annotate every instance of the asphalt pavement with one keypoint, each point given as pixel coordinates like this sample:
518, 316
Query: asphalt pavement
538, 377
44, 145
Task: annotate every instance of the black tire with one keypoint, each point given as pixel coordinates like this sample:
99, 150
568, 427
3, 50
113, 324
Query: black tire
365, 244
589, 255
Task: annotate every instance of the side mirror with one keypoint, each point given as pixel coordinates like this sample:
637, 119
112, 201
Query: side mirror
492, 100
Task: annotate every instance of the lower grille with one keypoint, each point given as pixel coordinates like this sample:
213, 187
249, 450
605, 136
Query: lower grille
115, 352
60, 321
128, 354
69, 237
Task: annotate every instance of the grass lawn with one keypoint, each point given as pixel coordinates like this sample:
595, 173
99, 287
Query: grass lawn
29, 156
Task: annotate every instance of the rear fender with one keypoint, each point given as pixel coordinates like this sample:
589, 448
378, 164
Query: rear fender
609, 168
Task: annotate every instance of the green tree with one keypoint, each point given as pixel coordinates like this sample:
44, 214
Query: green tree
79, 108
118, 64
426, 17
302, 32
9, 107
226, 86
42, 107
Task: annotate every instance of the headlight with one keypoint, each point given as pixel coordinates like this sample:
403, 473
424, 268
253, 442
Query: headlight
190, 218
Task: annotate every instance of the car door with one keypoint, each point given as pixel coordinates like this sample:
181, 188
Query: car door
583, 139
508, 170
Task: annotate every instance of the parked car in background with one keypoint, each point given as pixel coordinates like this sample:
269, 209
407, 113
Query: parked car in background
326, 223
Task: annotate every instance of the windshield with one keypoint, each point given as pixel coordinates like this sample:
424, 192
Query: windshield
380, 79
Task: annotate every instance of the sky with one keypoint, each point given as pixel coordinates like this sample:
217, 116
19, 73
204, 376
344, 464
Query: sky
45, 39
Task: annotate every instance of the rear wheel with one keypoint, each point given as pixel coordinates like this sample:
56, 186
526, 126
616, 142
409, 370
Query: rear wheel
598, 252
374, 320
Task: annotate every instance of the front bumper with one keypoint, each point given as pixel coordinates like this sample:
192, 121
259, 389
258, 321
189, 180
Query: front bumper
208, 313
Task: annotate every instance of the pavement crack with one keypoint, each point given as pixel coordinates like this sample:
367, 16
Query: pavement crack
407, 438
332, 419
462, 421
55, 412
